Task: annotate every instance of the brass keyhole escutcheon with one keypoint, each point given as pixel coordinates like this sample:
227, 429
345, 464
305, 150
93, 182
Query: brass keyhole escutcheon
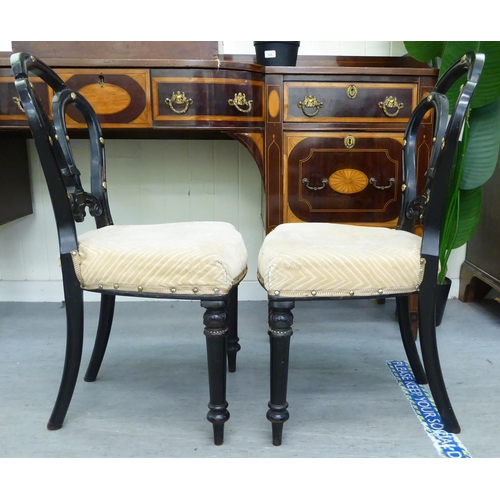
349, 141
352, 91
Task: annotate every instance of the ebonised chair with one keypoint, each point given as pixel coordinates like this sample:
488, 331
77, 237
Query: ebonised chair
191, 260
310, 261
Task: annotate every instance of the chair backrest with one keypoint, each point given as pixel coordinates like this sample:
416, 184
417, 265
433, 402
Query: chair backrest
428, 207
69, 199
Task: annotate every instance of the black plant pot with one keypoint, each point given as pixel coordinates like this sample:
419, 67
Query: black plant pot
276, 53
443, 290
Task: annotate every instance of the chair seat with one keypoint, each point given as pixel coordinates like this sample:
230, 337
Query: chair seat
336, 260
198, 258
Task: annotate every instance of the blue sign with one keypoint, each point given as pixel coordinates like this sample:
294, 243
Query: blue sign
447, 444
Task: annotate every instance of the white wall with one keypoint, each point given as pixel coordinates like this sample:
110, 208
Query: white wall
154, 181
329, 48
149, 181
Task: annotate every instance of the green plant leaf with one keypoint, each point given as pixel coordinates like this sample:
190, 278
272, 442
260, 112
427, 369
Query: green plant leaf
483, 145
488, 88
469, 213
477, 156
424, 51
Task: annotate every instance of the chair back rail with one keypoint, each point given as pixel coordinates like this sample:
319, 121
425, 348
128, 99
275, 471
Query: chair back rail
69, 199
429, 206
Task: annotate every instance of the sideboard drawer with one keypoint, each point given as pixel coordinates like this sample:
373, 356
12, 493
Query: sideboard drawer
206, 98
343, 177
120, 97
349, 101
11, 112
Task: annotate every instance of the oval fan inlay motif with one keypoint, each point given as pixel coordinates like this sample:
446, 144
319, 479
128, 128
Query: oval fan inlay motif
348, 181
273, 104
108, 100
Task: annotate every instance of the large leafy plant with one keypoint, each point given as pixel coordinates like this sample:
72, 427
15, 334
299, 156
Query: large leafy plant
478, 153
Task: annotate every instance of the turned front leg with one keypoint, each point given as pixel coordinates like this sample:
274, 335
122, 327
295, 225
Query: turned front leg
280, 331
215, 321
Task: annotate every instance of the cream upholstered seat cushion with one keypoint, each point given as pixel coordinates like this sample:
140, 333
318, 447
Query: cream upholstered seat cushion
203, 258
337, 260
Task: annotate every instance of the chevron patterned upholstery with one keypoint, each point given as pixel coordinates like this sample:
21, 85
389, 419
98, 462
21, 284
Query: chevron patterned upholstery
198, 258
335, 260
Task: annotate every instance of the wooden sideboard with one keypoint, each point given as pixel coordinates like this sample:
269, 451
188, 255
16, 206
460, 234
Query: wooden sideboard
326, 134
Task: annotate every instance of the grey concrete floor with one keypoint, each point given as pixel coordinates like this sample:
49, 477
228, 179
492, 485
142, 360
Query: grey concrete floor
150, 398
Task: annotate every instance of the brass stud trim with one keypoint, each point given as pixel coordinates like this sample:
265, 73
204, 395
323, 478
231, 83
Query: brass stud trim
140, 289
116, 286
173, 289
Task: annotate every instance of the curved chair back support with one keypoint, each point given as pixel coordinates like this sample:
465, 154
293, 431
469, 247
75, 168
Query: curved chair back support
68, 196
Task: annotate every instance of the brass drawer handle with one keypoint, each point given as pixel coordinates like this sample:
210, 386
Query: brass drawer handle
305, 181
239, 100
19, 103
390, 103
373, 182
310, 101
179, 99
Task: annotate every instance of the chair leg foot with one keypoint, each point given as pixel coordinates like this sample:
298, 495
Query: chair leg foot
218, 434
231, 362
277, 415
277, 433
53, 427
451, 424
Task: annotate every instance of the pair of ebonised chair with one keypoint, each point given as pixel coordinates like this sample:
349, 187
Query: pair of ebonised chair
208, 260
